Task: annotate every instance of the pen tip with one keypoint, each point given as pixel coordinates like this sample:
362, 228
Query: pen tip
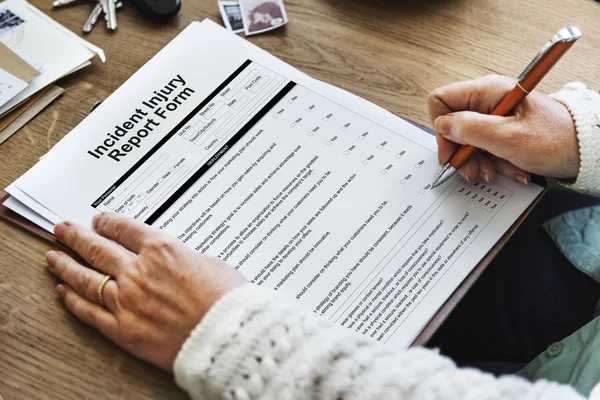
445, 173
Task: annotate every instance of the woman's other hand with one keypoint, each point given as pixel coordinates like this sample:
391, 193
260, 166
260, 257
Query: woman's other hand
539, 138
160, 290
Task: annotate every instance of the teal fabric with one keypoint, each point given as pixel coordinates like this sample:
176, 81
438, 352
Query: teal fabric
577, 234
576, 359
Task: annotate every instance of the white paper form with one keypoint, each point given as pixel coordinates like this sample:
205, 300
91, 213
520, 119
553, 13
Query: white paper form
304, 188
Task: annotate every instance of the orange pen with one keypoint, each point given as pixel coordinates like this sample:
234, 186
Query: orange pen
543, 62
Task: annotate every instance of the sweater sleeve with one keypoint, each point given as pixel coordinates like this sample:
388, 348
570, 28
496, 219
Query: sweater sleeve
253, 345
584, 106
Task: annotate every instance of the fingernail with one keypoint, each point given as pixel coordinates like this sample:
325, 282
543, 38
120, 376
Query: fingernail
61, 291
51, 258
95, 220
442, 124
523, 179
467, 178
486, 177
60, 228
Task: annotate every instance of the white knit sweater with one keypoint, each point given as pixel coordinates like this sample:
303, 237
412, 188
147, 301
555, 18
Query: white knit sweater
250, 346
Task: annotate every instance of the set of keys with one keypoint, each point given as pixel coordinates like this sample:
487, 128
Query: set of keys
106, 7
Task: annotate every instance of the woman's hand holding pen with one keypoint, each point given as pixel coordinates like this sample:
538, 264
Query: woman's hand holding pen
540, 137
160, 290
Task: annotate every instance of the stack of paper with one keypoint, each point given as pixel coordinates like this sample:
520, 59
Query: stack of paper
35, 51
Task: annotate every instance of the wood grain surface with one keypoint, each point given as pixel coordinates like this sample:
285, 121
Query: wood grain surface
390, 52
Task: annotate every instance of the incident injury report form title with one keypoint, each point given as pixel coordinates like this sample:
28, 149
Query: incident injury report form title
304, 188
144, 119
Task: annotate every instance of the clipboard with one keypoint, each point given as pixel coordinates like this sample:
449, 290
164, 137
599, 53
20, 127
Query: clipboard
438, 319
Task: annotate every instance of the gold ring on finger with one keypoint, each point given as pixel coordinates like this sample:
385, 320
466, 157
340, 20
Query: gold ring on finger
100, 291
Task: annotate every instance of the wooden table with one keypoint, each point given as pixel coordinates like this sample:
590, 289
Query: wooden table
390, 52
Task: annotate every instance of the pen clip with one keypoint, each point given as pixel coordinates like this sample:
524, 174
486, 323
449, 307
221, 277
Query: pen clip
567, 34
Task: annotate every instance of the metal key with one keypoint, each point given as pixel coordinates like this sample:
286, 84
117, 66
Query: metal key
93, 18
110, 13
111, 22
